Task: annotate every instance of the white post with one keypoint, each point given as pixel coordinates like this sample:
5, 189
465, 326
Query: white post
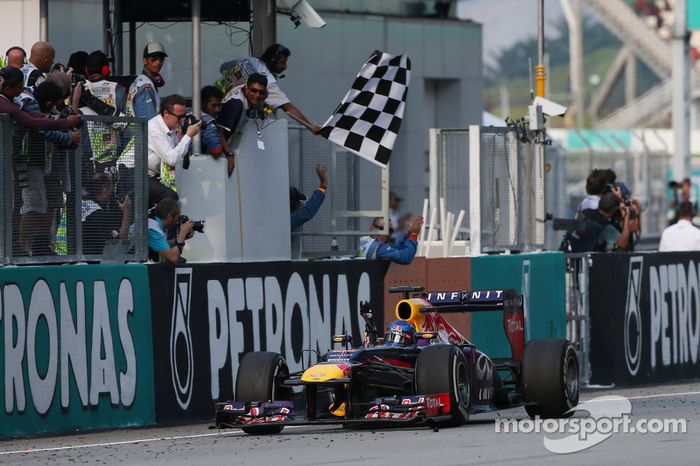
434, 167
443, 217
681, 93
475, 190
431, 229
196, 68
421, 237
446, 234
455, 231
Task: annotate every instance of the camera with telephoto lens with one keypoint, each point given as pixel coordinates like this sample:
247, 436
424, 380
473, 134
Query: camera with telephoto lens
197, 225
188, 120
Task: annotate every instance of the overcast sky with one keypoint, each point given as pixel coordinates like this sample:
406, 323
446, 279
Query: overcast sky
506, 21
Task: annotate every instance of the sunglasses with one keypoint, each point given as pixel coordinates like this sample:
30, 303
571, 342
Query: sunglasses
253, 90
155, 59
179, 117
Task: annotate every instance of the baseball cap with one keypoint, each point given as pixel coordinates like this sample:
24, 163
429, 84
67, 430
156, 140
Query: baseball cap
295, 195
154, 48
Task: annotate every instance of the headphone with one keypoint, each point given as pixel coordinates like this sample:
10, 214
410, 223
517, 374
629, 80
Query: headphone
270, 55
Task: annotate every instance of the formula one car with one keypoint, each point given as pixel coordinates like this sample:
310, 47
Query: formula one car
423, 371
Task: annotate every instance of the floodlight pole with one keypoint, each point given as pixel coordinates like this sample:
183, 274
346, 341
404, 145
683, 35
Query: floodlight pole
539, 69
680, 76
196, 67
44, 20
264, 28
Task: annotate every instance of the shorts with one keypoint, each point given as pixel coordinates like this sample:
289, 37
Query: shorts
54, 192
34, 195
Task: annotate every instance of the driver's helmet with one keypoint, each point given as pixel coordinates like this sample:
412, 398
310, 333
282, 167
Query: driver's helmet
400, 333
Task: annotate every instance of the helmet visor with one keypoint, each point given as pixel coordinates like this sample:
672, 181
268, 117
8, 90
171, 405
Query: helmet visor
395, 336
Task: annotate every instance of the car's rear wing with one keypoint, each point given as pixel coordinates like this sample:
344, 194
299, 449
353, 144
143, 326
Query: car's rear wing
472, 301
506, 300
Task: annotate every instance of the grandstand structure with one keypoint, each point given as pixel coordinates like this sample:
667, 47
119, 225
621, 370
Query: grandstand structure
645, 28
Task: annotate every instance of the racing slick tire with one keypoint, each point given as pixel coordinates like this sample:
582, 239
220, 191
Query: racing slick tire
549, 381
443, 369
257, 380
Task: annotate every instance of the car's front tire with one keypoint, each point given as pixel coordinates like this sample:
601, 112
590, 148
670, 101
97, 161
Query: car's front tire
257, 380
443, 369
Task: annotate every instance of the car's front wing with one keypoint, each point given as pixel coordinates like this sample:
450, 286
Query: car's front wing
414, 409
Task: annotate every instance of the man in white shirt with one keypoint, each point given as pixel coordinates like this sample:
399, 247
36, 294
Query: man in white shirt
682, 236
167, 146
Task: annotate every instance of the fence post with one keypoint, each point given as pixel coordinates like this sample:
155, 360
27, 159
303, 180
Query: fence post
475, 190
434, 194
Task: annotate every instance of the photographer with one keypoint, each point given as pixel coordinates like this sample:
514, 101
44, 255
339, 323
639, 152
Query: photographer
167, 146
623, 195
101, 218
599, 232
167, 217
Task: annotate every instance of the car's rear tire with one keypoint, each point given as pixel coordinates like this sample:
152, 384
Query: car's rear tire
443, 369
549, 380
258, 380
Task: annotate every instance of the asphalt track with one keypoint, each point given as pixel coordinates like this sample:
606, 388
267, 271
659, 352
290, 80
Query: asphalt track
475, 443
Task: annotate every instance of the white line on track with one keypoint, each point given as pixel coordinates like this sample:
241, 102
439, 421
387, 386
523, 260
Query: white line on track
660, 395
221, 434
126, 442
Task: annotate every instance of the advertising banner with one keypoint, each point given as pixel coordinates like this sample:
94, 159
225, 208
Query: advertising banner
206, 316
644, 317
76, 348
539, 278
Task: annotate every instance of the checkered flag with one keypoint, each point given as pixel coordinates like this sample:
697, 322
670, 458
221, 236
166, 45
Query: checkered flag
368, 119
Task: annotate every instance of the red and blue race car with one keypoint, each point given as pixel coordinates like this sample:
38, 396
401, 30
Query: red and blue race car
422, 371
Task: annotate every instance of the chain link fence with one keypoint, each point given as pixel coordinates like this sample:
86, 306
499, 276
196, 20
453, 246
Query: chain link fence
499, 183
68, 201
645, 174
340, 215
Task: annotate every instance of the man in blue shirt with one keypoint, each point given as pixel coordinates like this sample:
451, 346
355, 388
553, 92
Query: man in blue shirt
143, 99
401, 252
167, 216
301, 214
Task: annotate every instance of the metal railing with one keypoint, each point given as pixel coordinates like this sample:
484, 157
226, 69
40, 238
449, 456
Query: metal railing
83, 203
577, 310
498, 182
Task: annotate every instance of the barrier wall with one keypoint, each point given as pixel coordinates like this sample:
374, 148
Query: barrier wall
76, 344
101, 346
645, 317
539, 278
208, 315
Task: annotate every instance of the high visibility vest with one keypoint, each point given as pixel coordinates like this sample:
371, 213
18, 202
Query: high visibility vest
104, 140
140, 81
26, 71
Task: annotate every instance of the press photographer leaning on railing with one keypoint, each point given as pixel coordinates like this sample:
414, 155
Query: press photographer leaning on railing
12, 86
